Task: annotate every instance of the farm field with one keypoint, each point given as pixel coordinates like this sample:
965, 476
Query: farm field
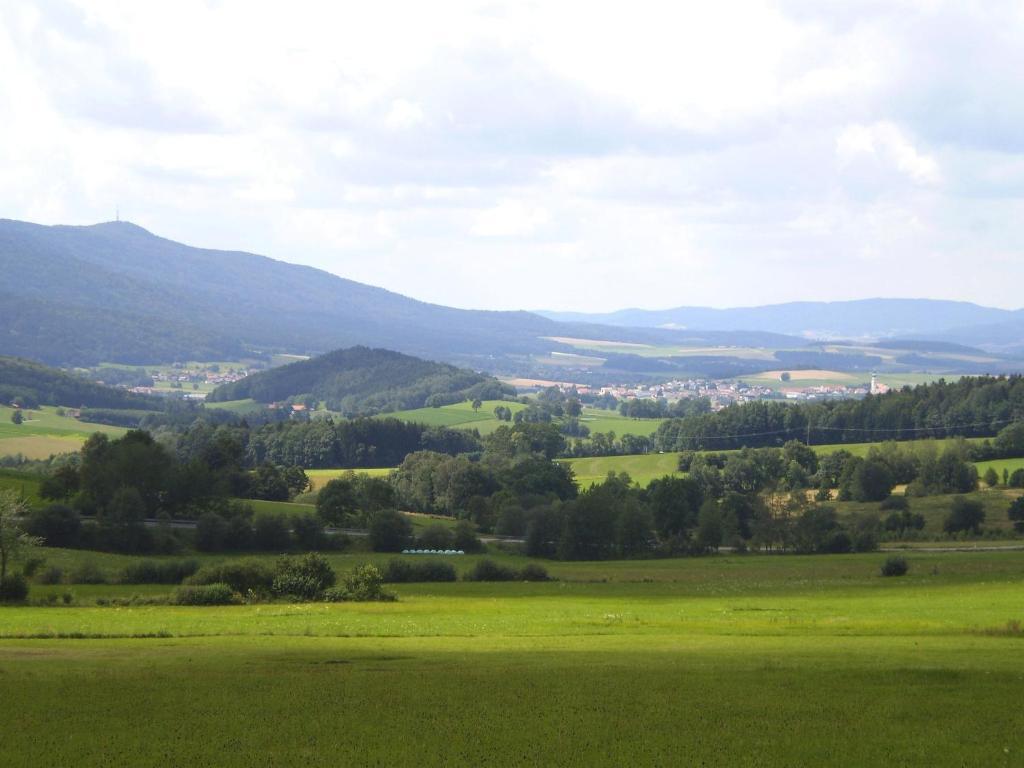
643, 468
602, 420
757, 660
458, 415
44, 433
318, 478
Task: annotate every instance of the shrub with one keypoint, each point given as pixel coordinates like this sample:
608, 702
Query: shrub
270, 531
436, 536
898, 503
14, 588
205, 594
158, 571
52, 575
965, 515
390, 531
364, 583
533, 572
302, 577
466, 538
1016, 478
1015, 514
242, 576
488, 570
399, 571
211, 532
895, 566
308, 531
87, 572
57, 525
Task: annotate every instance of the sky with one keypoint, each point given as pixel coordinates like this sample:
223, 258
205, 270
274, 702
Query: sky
581, 156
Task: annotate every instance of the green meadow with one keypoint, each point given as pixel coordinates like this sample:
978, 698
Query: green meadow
643, 468
458, 415
755, 660
45, 433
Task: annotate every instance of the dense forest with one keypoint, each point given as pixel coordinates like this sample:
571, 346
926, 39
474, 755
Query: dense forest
360, 381
971, 407
30, 385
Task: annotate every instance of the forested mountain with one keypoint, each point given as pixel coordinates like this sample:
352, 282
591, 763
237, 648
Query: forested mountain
820, 319
363, 381
117, 293
33, 384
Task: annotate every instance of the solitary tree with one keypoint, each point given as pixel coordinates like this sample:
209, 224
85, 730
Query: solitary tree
477, 404
13, 540
16, 417
1016, 513
991, 478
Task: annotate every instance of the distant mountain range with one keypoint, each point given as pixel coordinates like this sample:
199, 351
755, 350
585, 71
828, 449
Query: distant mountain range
116, 293
997, 330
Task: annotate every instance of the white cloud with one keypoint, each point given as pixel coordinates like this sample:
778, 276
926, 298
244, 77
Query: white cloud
647, 154
886, 142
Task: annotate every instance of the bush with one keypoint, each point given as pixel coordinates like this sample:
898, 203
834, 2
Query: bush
364, 584
205, 594
390, 531
52, 575
399, 571
270, 531
158, 571
303, 577
14, 588
898, 503
87, 572
965, 515
1016, 478
1015, 513
211, 532
436, 536
488, 570
533, 572
466, 538
308, 531
57, 525
895, 566
243, 576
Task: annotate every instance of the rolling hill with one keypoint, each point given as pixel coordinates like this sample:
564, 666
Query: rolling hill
36, 384
363, 381
114, 292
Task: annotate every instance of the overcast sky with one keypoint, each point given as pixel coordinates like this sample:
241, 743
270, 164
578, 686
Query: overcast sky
583, 156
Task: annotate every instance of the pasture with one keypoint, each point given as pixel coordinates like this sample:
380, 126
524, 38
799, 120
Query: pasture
45, 433
756, 660
458, 415
643, 468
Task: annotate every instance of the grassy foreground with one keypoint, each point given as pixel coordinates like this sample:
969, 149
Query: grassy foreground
754, 660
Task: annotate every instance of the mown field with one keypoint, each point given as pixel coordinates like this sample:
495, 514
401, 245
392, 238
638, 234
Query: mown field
757, 660
458, 415
646, 467
44, 433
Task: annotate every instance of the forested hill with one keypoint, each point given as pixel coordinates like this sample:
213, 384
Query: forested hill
31, 384
971, 407
114, 292
363, 381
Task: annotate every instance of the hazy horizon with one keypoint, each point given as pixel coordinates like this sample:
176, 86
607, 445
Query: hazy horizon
567, 158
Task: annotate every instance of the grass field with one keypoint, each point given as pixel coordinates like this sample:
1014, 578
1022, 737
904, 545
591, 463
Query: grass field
643, 468
754, 660
318, 478
459, 415
44, 433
